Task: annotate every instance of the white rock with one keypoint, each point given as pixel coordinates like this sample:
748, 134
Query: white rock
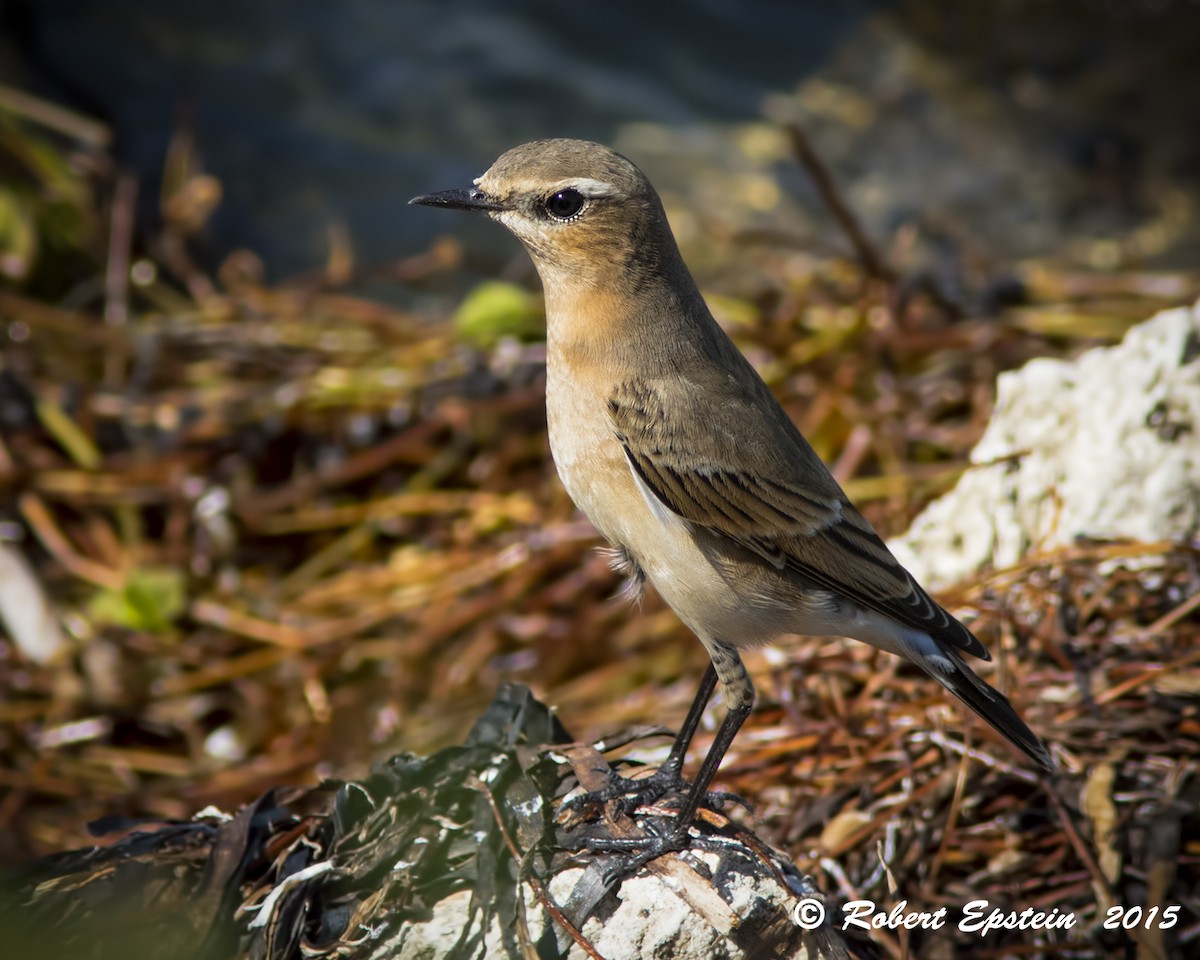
650, 919
25, 610
1105, 446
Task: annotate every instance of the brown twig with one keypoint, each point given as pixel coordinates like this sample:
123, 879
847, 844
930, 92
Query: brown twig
116, 272
865, 250
54, 117
539, 890
1084, 852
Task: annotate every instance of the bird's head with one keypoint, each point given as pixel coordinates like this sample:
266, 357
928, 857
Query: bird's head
585, 213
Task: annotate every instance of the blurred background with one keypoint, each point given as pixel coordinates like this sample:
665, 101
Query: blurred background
275, 496
1020, 122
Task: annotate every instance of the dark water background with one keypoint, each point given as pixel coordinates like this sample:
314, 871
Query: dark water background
1028, 122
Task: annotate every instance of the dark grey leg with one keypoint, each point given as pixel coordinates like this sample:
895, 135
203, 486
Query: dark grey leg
691, 722
739, 693
739, 696
669, 776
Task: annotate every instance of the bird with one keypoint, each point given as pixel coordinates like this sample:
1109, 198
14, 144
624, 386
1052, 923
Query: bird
670, 442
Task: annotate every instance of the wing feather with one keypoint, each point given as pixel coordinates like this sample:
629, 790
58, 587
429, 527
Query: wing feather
767, 490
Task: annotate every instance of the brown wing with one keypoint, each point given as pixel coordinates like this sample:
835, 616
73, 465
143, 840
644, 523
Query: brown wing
750, 476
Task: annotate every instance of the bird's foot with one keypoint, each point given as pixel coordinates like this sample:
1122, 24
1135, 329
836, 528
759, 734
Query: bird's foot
633, 793
634, 852
661, 834
661, 829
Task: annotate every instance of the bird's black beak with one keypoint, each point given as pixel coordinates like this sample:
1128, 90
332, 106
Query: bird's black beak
472, 199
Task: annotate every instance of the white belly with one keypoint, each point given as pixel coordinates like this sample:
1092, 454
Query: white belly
698, 576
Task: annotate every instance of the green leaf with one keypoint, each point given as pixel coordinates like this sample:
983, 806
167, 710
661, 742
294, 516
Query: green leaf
18, 237
151, 599
494, 310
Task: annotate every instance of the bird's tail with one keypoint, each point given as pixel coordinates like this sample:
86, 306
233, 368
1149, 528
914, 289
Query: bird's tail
952, 672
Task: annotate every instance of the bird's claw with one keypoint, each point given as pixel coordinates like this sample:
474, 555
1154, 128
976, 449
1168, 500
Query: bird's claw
647, 792
633, 853
632, 793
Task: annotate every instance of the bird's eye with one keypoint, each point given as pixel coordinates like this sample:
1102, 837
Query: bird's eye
565, 204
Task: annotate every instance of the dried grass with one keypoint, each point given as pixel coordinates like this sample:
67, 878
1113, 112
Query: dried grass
293, 531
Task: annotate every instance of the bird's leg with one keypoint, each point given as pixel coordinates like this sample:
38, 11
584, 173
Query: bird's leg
739, 693
667, 777
739, 696
673, 766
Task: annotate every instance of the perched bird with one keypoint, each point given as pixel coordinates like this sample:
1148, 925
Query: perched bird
670, 442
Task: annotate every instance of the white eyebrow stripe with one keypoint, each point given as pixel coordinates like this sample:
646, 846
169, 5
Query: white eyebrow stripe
592, 189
